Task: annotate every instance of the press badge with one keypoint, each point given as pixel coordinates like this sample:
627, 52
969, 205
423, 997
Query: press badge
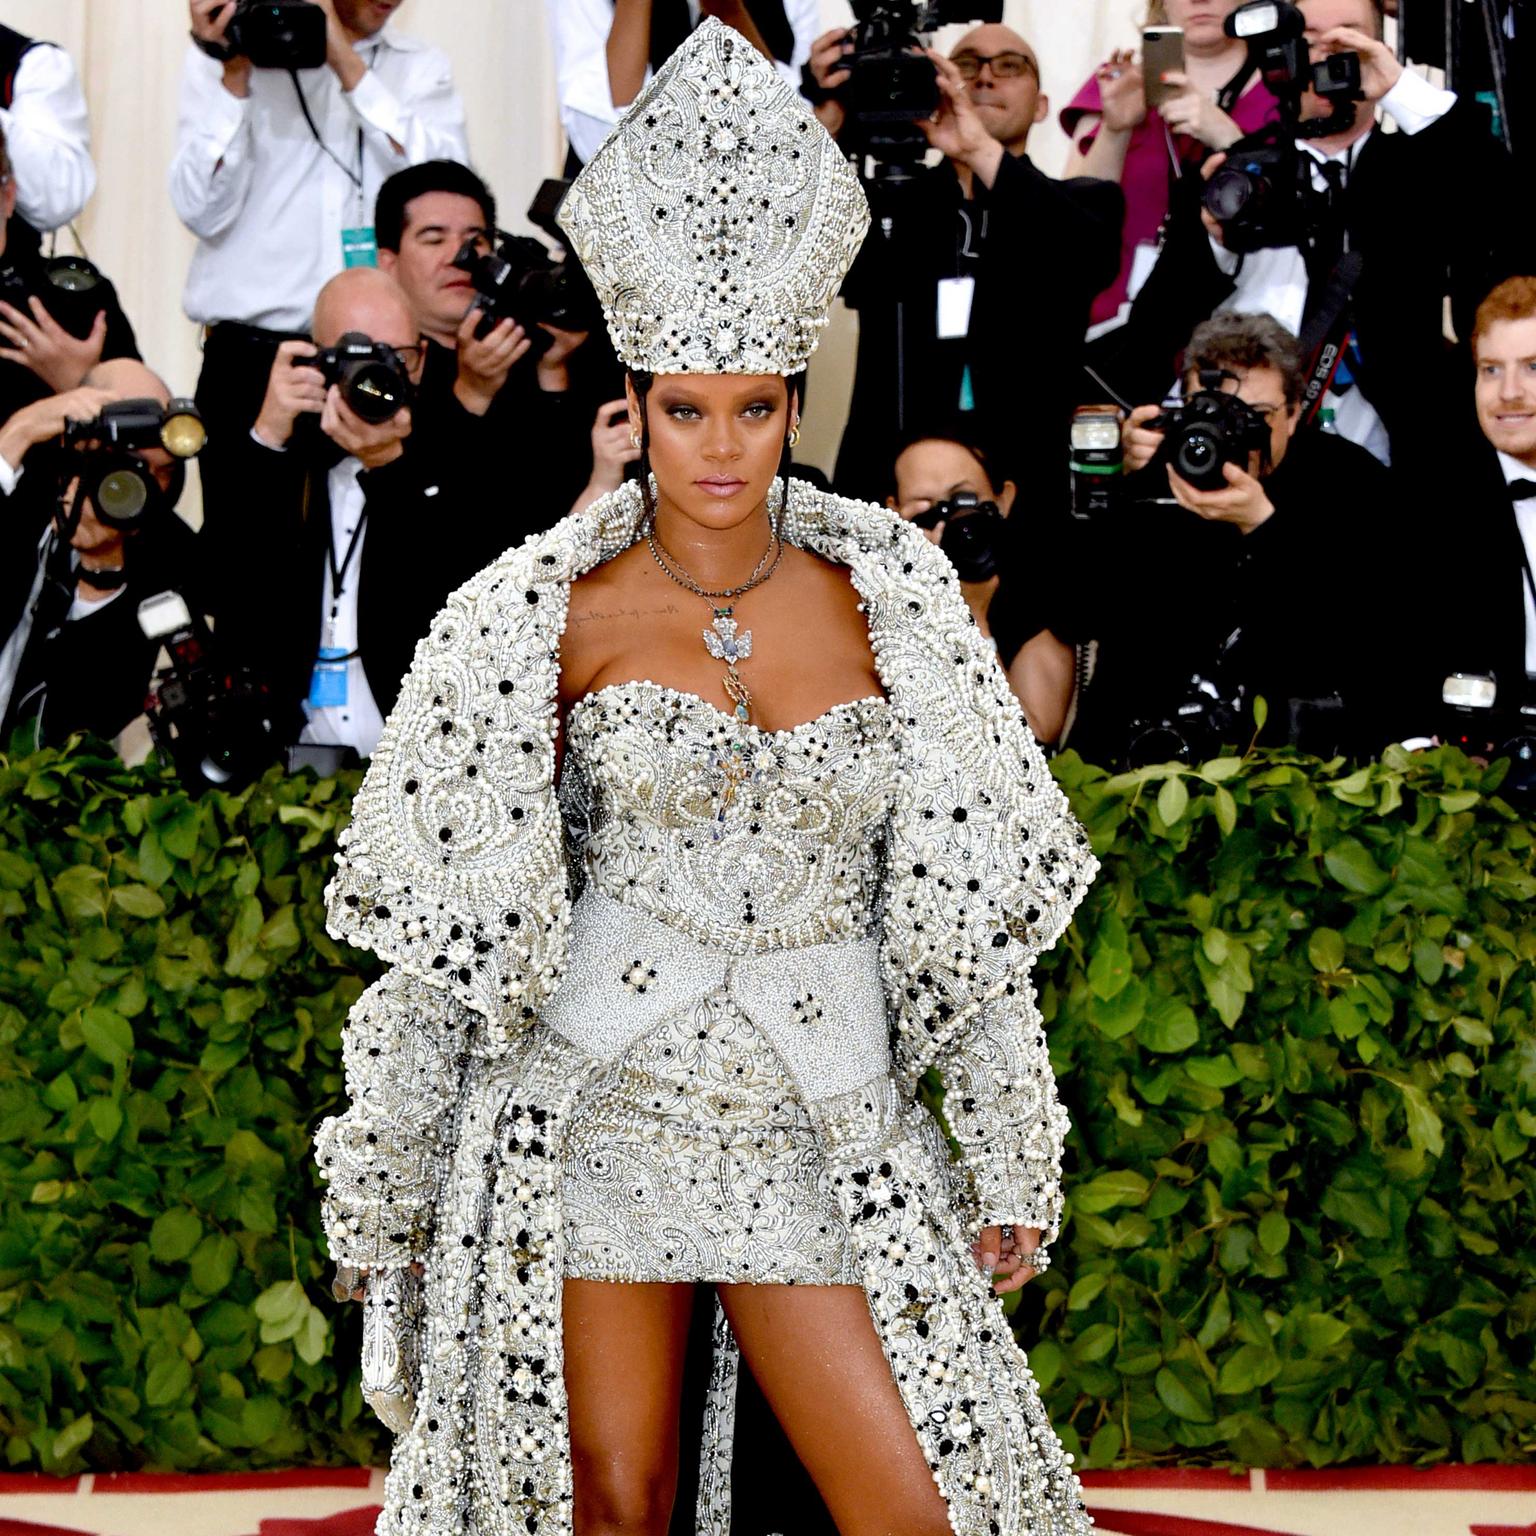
359, 247
328, 682
955, 295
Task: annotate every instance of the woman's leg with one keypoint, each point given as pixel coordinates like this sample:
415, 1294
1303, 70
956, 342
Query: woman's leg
624, 1348
818, 1360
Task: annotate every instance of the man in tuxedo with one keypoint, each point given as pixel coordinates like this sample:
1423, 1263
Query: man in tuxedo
1488, 626
952, 283
344, 543
1426, 211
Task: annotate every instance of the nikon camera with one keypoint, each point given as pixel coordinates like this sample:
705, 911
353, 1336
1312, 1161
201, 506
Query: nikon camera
370, 374
1206, 432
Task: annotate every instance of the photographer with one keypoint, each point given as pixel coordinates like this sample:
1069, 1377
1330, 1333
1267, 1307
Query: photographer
1262, 584
276, 171
345, 543
1117, 133
605, 51
51, 336
959, 255
944, 484
87, 530
485, 400
47, 133
1390, 225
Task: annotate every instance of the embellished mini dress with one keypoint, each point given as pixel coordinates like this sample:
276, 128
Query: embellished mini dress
724, 974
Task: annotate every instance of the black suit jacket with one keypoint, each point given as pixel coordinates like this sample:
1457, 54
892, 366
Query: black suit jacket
1433, 214
268, 547
1473, 605
1309, 589
1049, 247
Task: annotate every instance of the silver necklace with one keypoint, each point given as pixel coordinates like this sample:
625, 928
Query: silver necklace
726, 641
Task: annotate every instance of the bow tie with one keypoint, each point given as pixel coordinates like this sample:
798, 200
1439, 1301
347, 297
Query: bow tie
1522, 490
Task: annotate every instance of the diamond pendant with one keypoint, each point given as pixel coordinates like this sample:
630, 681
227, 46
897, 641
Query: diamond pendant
723, 642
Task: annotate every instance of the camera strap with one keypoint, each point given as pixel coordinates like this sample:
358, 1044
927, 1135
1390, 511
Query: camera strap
355, 177
1324, 338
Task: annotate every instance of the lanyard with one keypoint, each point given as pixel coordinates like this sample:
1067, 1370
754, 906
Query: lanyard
339, 572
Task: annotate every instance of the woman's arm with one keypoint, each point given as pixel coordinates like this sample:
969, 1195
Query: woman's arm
404, 1048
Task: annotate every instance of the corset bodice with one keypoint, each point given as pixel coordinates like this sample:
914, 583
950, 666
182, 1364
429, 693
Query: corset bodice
791, 856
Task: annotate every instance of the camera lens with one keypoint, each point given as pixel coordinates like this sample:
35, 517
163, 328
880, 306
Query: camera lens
1197, 455
1229, 192
375, 391
120, 496
72, 274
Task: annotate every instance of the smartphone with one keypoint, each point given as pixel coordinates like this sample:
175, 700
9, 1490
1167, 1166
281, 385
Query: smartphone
1162, 49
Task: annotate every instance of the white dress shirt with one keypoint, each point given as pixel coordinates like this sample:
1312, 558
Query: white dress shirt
48, 137
357, 723
265, 200
1274, 281
1525, 517
580, 28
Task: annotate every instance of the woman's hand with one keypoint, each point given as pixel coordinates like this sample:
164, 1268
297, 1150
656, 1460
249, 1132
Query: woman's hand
1122, 91
1194, 113
1003, 1253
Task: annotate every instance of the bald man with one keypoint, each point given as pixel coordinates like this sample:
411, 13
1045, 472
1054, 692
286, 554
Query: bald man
73, 657
986, 274
337, 528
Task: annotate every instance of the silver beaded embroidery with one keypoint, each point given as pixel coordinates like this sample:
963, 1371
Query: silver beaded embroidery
464, 1108
718, 219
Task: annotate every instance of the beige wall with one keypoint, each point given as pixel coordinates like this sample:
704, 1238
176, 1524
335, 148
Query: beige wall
129, 54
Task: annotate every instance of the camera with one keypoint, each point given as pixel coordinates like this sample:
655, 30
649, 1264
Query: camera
216, 727
891, 86
1098, 460
973, 534
273, 34
372, 378
1204, 720
70, 291
118, 484
1482, 726
521, 281
1206, 432
1263, 195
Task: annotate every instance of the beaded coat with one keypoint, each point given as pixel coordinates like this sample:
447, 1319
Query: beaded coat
455, 870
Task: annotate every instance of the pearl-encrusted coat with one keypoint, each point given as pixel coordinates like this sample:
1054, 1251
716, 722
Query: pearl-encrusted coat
454, 869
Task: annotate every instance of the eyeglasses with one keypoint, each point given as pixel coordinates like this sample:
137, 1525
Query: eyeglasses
1005, 66
411, 356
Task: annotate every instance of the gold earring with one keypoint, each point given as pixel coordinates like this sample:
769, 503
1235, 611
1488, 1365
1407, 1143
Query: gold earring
634, 438
794, 435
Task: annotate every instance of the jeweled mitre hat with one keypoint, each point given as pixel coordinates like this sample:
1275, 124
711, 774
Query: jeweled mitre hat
718, 219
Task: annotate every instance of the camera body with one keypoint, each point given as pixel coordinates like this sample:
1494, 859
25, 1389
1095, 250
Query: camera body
1204, 720
119, 485
217, 727
1263, 195
71, 291
1207, 431
372, 379
890, 88
277, 34
522, 281
974, 531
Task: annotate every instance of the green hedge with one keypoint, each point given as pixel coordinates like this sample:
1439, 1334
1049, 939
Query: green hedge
1293, 1023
